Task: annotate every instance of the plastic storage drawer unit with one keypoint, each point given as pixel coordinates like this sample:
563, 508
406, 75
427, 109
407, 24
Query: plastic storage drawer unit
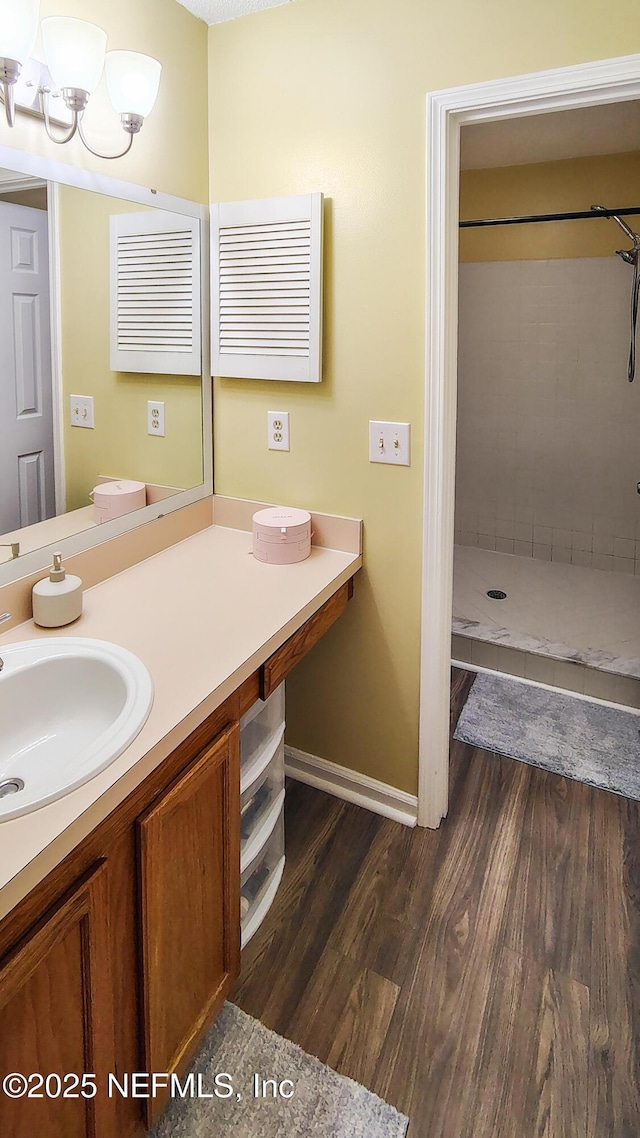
260, 880
260, 807
262, 797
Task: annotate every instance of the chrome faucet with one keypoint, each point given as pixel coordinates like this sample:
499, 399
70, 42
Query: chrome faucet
4, 617
14, 546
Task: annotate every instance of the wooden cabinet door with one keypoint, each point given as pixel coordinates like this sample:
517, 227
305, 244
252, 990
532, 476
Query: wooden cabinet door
189, 851
56, 1016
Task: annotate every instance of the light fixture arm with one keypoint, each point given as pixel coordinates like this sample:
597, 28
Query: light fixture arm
9, 72
76, 100
44, 93
96, 154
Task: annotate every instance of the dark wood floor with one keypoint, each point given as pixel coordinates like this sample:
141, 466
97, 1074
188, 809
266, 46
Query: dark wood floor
485, 977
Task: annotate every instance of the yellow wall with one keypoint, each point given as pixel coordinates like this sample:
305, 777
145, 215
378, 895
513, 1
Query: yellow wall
119, 445
327, 95
548, 187
170, 153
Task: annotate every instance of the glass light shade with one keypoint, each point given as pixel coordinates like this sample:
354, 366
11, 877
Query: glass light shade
132, 81
18, 28
74, 51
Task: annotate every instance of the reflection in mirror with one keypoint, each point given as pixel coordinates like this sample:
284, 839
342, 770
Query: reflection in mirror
120, 280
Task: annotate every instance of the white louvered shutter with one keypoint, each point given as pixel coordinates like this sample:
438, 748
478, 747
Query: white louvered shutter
266, 294
155, 293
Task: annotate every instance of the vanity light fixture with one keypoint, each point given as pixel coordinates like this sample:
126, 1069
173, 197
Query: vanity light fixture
76, 55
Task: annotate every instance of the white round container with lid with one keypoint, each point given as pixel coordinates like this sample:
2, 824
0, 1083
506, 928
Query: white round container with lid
281, 535
113, 499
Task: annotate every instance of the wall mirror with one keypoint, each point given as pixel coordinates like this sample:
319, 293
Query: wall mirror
104, 374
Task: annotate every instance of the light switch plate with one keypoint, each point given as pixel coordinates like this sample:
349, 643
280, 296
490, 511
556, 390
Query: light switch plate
81, 410
390, 442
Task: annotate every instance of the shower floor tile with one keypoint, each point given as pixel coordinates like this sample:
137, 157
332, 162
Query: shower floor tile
564, 611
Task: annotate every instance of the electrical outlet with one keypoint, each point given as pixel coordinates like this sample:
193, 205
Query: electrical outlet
155, 418
81, 410
278, 430
390, 442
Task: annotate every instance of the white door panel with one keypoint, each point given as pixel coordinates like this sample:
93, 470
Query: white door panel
26, 416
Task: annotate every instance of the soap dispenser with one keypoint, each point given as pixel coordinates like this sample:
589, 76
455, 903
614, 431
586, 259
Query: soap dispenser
57, 599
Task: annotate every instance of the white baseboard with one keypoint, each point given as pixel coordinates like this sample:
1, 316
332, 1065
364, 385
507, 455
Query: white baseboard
352, 786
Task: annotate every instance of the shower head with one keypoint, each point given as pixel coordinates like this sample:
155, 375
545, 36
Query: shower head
628, 255
635, 237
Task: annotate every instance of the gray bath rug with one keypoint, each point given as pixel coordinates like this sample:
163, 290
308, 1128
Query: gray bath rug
571, 737
323, 1104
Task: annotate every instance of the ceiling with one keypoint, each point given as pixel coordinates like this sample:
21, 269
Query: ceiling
217, 11
610, 129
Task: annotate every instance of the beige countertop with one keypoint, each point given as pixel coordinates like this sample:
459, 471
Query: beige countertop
202, 615
46, 533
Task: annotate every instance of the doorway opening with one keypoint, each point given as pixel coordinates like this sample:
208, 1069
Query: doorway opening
547, 424
565, 90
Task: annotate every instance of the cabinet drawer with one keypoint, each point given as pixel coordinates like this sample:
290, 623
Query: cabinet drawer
268, 713
261, 732
261, 806
284, 659
256, 758
260, 882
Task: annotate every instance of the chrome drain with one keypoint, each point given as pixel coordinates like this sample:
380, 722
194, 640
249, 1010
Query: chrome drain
10, 786
496, 594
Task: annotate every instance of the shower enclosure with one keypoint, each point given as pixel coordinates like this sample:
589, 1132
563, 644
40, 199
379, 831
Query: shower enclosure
547, 558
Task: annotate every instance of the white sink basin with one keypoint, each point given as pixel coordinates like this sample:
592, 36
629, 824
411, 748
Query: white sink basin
68, 708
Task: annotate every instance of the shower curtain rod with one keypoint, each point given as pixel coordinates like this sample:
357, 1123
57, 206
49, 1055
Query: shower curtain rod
576, 215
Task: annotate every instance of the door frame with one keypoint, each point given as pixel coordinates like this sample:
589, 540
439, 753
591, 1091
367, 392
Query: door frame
566, 88
55, 309
15, 183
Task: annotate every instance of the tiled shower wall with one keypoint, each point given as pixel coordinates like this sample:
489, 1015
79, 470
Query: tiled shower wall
548, 425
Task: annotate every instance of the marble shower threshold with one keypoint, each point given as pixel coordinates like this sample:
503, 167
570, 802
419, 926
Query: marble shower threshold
567, 675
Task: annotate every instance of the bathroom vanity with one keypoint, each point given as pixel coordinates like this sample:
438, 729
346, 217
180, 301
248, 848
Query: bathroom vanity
121, 934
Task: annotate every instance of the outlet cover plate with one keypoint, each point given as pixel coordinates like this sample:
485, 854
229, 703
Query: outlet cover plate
390, 442
155, 418
278, 430
81, 410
